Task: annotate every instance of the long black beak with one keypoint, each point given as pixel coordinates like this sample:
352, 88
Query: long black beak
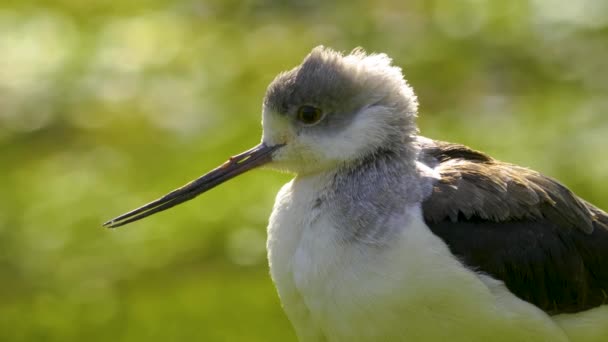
236, 165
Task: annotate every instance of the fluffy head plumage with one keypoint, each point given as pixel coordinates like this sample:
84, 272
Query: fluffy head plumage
366, 101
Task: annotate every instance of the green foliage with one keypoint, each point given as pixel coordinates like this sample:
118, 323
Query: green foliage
107, 105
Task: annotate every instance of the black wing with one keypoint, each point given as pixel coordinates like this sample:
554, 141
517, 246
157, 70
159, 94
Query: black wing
546, 244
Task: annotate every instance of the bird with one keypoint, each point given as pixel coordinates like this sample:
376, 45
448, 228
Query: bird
386, 235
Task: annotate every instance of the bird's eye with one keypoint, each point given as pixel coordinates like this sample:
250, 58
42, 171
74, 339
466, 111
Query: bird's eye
309, 115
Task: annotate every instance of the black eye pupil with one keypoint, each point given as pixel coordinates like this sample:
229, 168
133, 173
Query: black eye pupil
309, 114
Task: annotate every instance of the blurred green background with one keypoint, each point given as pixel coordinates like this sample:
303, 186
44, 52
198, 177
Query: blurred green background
105, 105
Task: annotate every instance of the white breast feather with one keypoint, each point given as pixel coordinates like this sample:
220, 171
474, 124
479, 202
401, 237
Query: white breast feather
411, 290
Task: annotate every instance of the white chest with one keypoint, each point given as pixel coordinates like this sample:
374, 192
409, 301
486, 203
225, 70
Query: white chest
411, 289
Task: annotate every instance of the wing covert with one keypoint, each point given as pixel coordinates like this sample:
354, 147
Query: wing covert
546, 244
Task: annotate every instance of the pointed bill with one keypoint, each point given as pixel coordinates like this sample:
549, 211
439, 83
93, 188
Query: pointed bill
259, 155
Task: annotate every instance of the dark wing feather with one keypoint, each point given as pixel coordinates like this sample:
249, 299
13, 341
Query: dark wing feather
546, 244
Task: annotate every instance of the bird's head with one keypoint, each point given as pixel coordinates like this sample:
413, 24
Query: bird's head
330, 110
334, 108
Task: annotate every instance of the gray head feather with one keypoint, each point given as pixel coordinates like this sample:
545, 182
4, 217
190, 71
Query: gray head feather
341, 85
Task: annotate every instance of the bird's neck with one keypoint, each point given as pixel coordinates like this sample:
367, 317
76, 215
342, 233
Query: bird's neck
360, 195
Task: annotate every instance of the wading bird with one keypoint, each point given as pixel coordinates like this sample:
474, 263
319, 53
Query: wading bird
384, 235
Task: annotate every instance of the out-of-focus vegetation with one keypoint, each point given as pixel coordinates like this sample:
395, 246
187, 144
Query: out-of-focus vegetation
105, 105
